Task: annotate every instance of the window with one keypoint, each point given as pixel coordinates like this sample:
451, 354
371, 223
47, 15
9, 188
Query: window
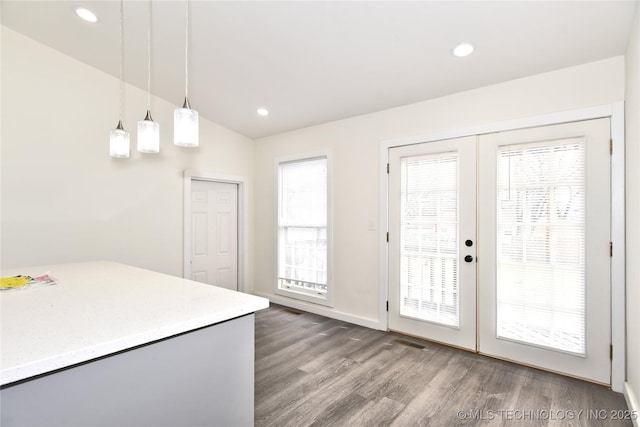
541, 244
429, 238
304, 229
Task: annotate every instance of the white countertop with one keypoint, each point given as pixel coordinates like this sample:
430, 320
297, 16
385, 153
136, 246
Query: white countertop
99, 308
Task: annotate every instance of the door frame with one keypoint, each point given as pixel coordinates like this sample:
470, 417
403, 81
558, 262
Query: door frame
615, 112
243, 221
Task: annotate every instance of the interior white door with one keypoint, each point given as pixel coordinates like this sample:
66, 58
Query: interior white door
214, 233
543, 254
432, 229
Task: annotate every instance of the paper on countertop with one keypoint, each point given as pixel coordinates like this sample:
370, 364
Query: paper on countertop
26, 282
14, 282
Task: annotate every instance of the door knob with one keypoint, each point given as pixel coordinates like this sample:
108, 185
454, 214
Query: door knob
468, 258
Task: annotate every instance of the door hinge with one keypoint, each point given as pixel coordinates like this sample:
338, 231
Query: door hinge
611, 146
387, 167
387, 305
611, 352
387, 237
610, 249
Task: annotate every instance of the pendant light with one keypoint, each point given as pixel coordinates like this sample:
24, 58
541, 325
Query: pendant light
185, 120
119, 138
148, 130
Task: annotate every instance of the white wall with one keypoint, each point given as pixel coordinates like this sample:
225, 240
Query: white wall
632, 110
355, 143
63, 198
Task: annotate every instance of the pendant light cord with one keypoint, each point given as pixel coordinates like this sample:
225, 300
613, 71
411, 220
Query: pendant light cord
186, 50
121, 60
149, 55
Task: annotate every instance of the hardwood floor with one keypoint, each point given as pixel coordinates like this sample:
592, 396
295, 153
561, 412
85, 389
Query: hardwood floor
315, 371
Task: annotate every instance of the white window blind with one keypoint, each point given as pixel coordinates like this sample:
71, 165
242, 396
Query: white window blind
302, 226
541, 244
429, 238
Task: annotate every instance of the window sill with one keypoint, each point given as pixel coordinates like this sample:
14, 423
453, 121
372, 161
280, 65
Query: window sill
305, 296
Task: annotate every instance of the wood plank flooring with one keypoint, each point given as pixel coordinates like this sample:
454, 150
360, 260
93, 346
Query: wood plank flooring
316, 371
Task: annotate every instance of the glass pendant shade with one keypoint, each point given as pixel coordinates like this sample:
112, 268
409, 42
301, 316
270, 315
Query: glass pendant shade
148, 135
185, 126
119, 142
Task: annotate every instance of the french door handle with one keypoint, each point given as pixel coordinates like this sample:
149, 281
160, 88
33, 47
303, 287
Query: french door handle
468, 258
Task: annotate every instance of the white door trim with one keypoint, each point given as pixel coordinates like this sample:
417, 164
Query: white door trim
243, 221
616, 112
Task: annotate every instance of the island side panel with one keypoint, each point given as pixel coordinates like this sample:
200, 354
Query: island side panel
203, 377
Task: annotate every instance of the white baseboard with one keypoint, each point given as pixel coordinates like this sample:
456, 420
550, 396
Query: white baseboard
322, 311
632, 403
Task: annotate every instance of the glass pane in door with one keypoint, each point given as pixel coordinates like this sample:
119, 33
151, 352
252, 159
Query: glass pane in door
429, 238
540, 244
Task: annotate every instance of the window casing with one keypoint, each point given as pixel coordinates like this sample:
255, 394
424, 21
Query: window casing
304, 229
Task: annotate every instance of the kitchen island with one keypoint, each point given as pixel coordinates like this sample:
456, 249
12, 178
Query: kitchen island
115, 345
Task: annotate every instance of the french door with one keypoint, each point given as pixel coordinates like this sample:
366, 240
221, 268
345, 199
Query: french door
532, 285
432, 217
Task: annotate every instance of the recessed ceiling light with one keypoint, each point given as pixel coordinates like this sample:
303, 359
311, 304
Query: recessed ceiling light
86, 14
463, 49
262, 111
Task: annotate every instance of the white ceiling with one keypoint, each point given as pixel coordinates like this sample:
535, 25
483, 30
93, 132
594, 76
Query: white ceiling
311, 62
